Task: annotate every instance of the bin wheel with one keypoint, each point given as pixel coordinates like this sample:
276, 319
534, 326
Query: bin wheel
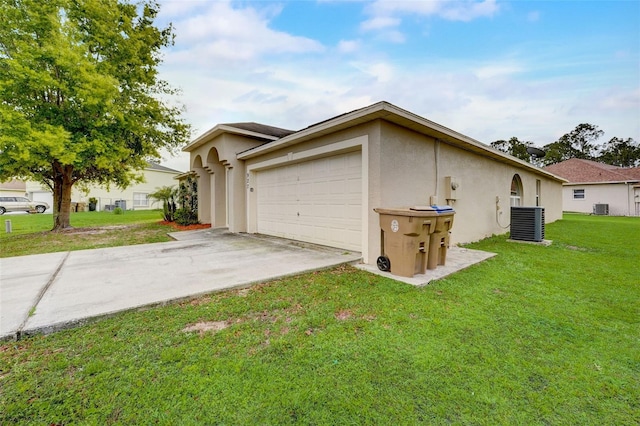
384, 264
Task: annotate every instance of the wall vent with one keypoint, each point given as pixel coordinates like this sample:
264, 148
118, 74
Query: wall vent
601, 209
527, 223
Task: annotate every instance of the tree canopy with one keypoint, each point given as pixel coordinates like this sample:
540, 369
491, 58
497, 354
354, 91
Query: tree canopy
514, 147
80, 96
581, 142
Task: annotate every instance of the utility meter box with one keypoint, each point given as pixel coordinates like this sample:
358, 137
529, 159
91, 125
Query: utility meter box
452, 188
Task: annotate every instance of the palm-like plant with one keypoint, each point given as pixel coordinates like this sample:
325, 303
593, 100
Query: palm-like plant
166, 194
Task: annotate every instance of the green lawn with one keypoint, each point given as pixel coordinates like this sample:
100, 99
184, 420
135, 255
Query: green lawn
30, 233
536, 335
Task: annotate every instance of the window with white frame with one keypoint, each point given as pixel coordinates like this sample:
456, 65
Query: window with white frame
578, 194
140, 199
516, 191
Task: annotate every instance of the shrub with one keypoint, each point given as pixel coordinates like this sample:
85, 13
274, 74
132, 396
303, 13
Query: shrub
186, 217
188, 199
118, 210
166, 194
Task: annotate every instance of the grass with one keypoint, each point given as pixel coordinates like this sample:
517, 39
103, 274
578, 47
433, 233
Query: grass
31, 233
536, 335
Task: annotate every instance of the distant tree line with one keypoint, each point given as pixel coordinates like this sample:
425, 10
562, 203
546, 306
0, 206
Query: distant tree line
581, 142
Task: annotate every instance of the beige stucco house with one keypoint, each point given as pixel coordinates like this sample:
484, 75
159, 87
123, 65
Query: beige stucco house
134, 197
15, 188
599, 188
321, 184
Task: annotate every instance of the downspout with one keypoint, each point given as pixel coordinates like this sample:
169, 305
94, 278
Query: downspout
436, 153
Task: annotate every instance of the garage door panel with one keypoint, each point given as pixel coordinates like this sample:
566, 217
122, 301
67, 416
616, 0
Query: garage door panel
317, 201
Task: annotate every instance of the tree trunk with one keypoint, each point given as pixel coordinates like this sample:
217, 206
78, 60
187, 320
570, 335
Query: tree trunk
62, 185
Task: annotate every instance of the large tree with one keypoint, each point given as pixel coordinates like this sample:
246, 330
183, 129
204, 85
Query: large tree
621, 152
81, 101
581, 142
515, 147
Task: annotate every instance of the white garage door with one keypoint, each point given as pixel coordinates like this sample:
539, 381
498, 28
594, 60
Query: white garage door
317, 201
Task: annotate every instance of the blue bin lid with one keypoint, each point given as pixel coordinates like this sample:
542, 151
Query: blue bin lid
443, 209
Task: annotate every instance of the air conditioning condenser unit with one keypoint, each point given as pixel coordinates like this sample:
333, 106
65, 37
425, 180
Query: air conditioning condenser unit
601, 209
527, 223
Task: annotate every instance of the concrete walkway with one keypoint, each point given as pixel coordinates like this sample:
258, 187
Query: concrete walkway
48, 292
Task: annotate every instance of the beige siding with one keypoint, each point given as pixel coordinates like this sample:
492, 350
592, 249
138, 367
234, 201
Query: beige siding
400, 168
621, 198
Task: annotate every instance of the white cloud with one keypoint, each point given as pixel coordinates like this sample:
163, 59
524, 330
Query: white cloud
380, 22
244, 70
497, 70
348, 46
220, 32
386, 13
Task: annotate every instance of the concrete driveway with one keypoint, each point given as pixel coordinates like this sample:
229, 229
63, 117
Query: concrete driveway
48, 292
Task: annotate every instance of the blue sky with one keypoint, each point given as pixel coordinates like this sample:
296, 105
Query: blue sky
488, 69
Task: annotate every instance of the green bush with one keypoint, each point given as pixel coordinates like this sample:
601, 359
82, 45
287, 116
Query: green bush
186, 217
118, 210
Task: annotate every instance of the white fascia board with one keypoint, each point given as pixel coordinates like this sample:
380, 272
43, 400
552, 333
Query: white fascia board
218, 130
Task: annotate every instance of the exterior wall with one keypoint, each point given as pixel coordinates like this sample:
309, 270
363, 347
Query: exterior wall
359, 137
222, 181
414, 167
154, 179
13, 188
623, 198
401, 168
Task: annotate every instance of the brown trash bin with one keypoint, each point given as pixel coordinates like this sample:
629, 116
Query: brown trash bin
439, 241
405, 240
407, 236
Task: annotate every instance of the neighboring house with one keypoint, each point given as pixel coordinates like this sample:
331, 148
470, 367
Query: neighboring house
134, 197
321, 184
614, 190
13, 188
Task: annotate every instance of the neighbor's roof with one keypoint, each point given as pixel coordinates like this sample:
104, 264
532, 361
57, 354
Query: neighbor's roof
577, 170
257, 131
159, 168
13, 185
389, 112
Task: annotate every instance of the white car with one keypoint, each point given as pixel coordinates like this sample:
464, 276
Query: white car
21, 204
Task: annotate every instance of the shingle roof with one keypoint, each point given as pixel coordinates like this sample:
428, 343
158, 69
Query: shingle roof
262, 128
155, 166
577, 170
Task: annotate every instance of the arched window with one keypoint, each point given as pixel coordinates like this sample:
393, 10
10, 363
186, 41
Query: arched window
516, 191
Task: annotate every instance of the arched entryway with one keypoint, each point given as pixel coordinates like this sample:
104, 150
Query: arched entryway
218, 189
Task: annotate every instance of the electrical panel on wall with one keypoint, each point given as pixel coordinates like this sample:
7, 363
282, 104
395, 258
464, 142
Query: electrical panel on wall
452, 188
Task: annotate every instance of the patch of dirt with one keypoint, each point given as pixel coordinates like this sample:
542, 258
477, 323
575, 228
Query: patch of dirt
205, 326
243, 292
343, 315
94, 230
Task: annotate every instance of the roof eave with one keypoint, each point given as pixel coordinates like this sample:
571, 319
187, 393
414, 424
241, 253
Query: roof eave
224, 128
386, 111
606, 182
